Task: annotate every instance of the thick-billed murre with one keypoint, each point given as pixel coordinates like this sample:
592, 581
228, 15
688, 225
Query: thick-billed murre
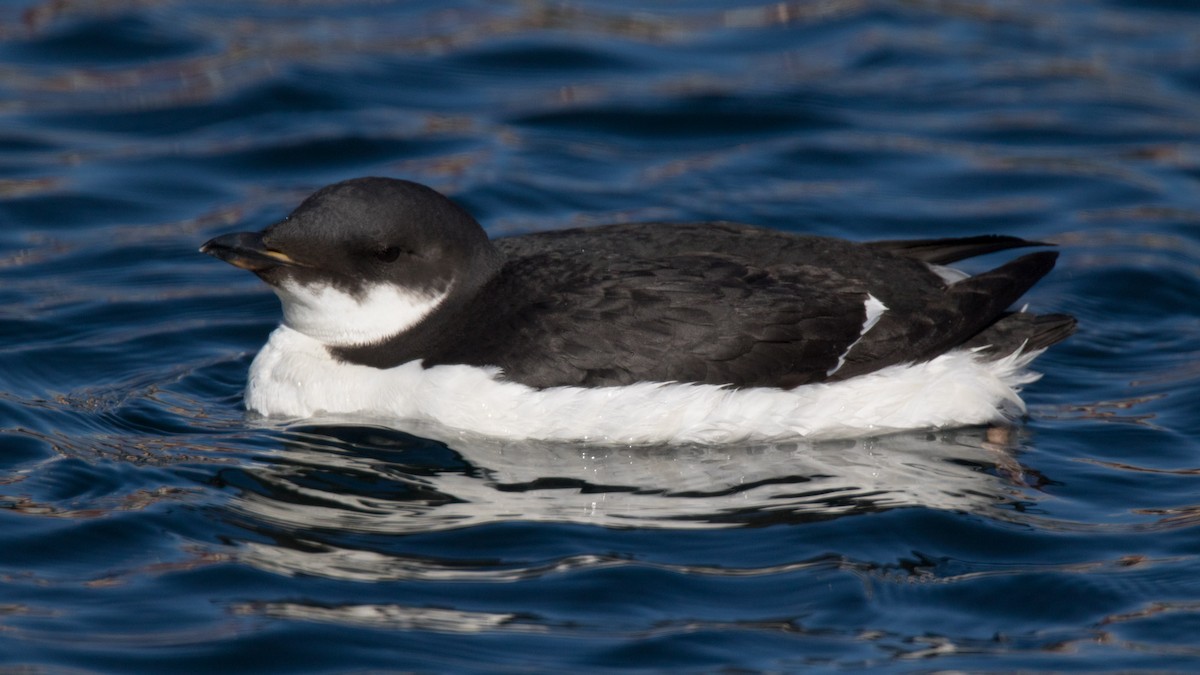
396, 305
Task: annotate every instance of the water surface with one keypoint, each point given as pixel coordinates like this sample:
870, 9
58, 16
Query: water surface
149, 525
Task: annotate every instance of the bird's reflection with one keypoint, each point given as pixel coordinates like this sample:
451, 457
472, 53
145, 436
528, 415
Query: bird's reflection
331, 496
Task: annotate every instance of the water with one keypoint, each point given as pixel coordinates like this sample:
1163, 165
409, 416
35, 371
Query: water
149, 526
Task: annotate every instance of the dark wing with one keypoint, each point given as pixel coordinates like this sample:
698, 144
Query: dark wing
942, 251
707, 318
920, 328
581, 307
720, 319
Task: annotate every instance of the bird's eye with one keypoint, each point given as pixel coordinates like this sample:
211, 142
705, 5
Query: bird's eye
388, 254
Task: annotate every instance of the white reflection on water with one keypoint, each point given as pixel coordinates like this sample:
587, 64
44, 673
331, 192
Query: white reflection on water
320, 486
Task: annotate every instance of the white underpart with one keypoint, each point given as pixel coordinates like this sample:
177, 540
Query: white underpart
874, 309
294, 376
336, 318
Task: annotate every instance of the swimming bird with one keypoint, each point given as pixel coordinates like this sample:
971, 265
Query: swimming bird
398, 307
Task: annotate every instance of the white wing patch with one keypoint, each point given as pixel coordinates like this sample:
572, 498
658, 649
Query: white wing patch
949, 275
295, 377
874, 309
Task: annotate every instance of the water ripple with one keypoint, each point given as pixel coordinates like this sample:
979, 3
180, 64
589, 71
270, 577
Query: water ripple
148, 524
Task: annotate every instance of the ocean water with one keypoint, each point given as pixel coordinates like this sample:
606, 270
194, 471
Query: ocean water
148, 525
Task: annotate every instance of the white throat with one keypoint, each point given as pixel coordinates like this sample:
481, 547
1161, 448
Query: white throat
336, 318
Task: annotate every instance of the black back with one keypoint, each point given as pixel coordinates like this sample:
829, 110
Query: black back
717, 303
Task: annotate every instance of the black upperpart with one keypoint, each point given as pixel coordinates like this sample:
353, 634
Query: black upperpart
718, 302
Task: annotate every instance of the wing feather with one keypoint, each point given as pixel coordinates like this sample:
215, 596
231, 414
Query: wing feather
735, 305
708, 318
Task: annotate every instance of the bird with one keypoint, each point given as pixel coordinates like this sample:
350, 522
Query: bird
399, 309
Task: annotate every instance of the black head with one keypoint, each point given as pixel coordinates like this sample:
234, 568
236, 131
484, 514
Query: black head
365, 260
367, 231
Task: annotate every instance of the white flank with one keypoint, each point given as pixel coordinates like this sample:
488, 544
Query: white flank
294, 376
875, 310
335, 318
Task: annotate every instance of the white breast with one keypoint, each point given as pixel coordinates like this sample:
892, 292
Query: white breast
295, 377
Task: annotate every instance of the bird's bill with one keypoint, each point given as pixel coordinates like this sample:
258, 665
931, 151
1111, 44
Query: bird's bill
245, 250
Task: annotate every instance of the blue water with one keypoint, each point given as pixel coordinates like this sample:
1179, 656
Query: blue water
149, 526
